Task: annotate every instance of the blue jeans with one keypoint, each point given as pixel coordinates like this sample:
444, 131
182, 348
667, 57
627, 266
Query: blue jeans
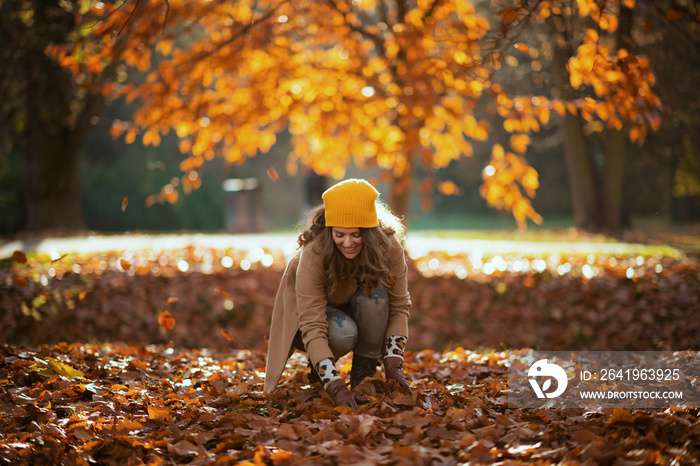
357, 326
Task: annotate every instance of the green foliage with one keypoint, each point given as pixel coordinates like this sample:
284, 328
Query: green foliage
112, 170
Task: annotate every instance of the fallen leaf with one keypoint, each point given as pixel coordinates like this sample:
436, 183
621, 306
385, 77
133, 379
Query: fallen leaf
673, 15
129, 424
52, 366
621, 415
185, 448
125, 264
158, 413
64, 369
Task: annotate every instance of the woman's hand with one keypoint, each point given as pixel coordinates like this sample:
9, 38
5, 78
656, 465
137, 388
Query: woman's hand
393, 370
341, 394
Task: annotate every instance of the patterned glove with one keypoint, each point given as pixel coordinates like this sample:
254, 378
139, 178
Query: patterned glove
327, 372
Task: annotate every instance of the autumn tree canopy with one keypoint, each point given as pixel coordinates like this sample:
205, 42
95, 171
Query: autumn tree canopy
388, 84
377, 84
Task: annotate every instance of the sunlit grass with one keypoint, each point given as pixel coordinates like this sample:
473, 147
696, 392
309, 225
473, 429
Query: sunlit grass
546, 244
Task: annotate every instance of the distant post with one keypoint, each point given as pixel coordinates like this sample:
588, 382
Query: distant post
243, 211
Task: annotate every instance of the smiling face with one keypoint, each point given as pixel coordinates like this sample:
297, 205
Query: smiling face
348, 241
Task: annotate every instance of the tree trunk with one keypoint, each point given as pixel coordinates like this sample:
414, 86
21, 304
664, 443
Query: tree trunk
400, 195
52, 184
49, 143
582, 181
55, 131
579, 161
614, 170
613, 183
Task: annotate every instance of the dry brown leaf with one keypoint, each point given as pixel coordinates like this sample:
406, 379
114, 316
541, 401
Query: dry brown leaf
20, 257
158, 413
21, 282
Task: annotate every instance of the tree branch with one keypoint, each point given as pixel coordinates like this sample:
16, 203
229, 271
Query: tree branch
378, 40
243, 31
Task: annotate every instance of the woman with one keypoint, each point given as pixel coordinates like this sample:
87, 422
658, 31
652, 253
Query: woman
345, 290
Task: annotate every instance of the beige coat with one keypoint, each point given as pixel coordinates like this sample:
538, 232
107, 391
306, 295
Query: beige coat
301, 305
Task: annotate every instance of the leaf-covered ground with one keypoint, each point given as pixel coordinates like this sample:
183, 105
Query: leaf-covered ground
119, 404
473, 300
160, 398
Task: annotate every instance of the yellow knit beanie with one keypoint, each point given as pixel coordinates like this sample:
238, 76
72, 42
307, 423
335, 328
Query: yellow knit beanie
350, 204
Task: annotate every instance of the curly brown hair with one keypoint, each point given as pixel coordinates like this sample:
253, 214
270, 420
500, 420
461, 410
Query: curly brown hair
369, 269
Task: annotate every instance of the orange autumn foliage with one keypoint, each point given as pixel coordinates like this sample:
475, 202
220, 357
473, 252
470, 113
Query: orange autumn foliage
367, 82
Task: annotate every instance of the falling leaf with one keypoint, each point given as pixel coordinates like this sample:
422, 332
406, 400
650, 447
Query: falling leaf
125, 264
272, 173
522, 47
226, 334
59, 259
673, 15
448, 188
82, 295
20, 257
125, 202
172, 300
166, 320
510, 15
223, 293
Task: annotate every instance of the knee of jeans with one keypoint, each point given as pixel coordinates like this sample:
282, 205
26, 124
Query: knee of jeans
342, 346
342, 333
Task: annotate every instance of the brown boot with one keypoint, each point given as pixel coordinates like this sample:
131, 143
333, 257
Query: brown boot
362, 368
313, 376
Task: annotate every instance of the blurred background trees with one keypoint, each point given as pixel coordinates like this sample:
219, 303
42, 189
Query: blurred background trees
510, 98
